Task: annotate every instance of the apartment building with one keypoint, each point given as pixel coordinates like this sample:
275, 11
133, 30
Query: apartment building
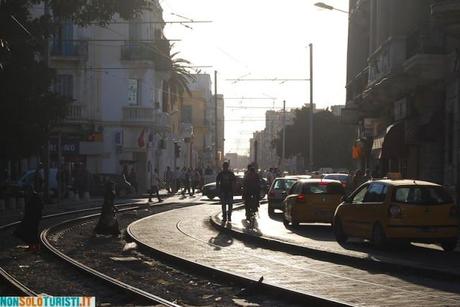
403, 87
120, 115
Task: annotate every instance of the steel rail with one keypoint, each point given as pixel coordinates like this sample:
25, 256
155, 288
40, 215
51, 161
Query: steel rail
92, 272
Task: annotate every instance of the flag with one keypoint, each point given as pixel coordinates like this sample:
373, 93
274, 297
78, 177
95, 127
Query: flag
140, 139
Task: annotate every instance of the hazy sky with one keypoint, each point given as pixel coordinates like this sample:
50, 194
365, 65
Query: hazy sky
263, 39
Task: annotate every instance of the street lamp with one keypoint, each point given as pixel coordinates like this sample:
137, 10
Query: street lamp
328, 7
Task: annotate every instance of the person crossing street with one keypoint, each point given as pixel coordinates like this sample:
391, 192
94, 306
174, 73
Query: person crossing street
224, 183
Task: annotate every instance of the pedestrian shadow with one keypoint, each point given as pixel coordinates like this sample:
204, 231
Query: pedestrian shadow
220, 241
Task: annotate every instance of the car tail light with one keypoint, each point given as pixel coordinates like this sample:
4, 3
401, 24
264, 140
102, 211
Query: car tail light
454, 211
395, 211
301, 198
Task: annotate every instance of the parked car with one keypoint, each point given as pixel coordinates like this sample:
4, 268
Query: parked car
343, 178
278, 192
122, 186
407, 210
312, 201
210, 191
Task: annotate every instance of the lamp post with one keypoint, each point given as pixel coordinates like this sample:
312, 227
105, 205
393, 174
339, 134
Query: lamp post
329, 7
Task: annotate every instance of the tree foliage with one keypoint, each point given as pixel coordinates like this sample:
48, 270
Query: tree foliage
332, 140
28, 108
179, 79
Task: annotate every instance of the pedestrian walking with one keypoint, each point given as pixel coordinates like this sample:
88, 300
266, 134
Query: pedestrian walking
251, 192
132, 178
225, 182
108, 223
168, 179
186, 181
27, 230
178, 179
196, 180
155, 184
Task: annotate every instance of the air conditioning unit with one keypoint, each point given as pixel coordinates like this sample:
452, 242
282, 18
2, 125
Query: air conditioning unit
119, 138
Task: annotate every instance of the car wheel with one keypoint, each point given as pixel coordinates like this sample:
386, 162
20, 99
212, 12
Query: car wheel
449, 246
211, 196
285, 222
378, 236
340, 235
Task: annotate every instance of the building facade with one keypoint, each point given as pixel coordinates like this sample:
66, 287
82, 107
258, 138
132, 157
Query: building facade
120, 116
403, 87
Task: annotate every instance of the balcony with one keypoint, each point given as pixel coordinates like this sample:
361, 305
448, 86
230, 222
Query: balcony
356, 86
147, 116
69, 50
157, 52
447, 13
426, 60
138, 114
387, 60
76, 112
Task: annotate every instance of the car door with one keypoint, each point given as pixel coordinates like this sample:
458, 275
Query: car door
351, 214
372, 208
292, 198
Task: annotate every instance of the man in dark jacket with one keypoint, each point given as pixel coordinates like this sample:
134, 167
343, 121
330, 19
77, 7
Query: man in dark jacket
224, 184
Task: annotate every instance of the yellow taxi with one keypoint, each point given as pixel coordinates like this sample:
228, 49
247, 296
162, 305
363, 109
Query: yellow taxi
407, 210
312, 201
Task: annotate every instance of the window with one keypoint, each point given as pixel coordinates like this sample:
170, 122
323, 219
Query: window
186, 113
376, 193
63, 85
133, 91
323, 188
283, 184
358, 198
296, 188
422, 195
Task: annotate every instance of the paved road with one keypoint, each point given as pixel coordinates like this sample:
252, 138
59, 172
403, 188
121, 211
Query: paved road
321, 237
187, 233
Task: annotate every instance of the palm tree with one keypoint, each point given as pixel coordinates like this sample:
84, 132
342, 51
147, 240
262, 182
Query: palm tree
179, 79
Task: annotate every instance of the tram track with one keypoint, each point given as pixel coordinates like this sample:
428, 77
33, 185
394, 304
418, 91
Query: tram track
132, 295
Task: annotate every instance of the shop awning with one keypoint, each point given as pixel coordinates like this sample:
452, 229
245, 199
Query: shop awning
390, 143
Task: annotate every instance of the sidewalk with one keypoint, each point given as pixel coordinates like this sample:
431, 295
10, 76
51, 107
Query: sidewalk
185, 236
319, 238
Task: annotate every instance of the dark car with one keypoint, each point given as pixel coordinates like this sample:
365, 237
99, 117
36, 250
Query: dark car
210, 191
122, 186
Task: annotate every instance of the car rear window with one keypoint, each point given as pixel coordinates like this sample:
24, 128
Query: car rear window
323, 188
284, 184
342, 178
422, 195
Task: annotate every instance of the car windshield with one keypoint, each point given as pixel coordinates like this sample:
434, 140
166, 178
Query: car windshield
422, 195
283, 184
323, 188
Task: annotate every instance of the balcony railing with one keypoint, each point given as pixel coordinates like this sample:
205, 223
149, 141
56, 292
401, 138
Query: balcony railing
69, 49
76, 112
358, 84
387, 59
423, 42
138, 114
157, 52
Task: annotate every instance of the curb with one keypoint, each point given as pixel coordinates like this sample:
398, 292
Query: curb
332, 256
211, 272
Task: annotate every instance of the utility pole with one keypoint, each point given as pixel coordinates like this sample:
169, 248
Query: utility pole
283, 153
216, 129
46, 163
311, 110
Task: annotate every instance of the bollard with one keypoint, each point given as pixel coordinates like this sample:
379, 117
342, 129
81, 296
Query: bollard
2, 205
11, 204
77, 196
71, 194
20, 203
